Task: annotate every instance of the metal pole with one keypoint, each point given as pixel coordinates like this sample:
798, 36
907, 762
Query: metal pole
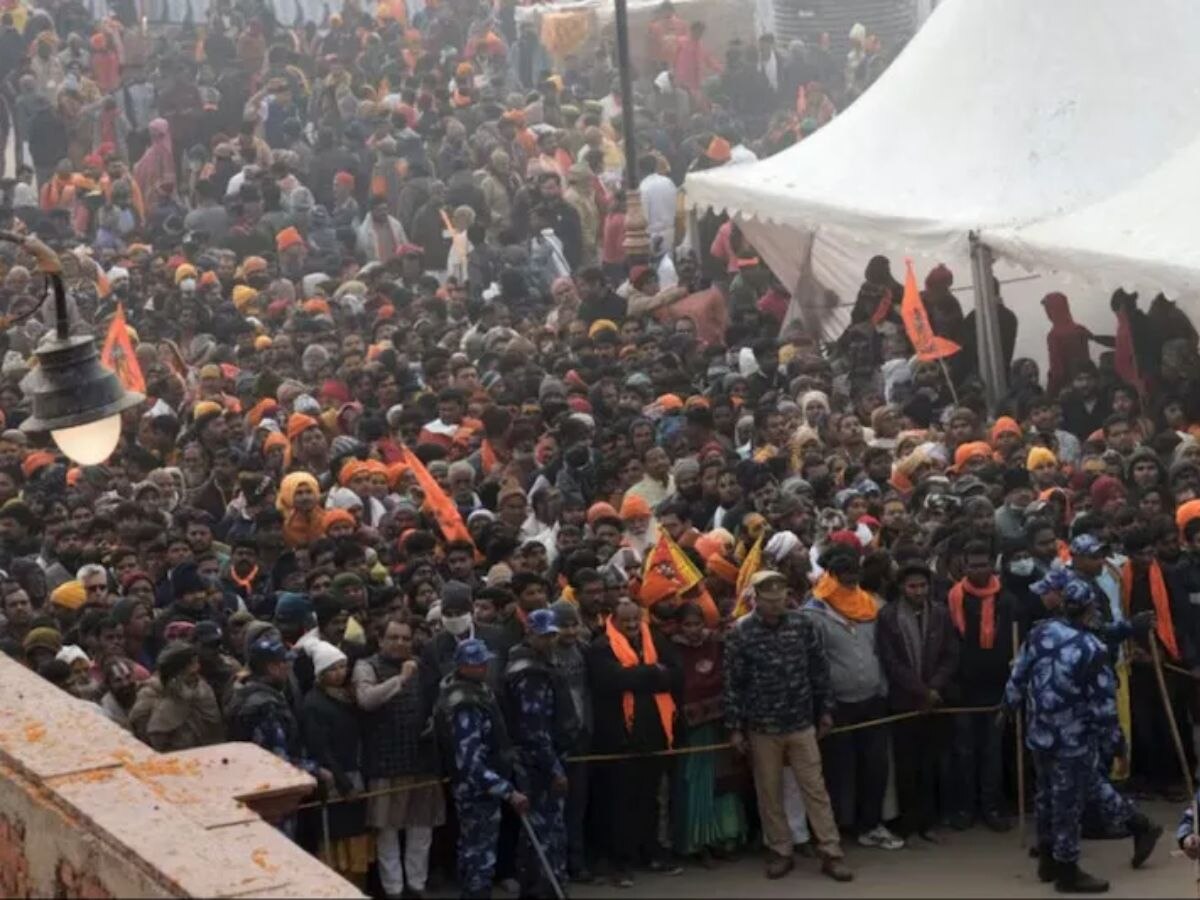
637, 238
989, 346
541, 855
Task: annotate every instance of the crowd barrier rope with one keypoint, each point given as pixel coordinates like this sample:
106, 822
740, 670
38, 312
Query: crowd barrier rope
674, 751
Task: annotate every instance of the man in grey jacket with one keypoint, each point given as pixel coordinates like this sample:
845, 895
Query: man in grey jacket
855, 762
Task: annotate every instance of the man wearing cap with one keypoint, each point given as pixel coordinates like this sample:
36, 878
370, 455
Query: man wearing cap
472, 734
217, 668
458, 625
190, 603
778, 705
1065, 683
176, 709
260, 713
541, 717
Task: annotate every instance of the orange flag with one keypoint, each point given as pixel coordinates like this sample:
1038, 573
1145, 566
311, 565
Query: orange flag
436, 500
751, 564
928, 345
118, 354
666, 572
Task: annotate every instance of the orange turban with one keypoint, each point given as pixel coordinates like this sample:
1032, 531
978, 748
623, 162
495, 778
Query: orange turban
316, 307
1185, 513
298, 423
601, 510
968, 451
289, 237
349, 470
634, 506
333, 516
274, 439
260, 410
1005, 425
719, 150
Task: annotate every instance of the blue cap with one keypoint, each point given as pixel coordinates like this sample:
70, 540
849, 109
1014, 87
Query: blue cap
292, 606
541, 621
1078, 594
268, 650
1054, 580
1087, 545
472, 652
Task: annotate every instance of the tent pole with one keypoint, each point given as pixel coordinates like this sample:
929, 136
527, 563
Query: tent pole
987, 325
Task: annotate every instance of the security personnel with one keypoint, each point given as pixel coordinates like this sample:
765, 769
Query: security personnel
471, 730
1065, 680
541, 716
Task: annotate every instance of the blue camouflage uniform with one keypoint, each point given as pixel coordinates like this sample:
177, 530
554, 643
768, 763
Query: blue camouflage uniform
469, 712
536, 720
1066, 681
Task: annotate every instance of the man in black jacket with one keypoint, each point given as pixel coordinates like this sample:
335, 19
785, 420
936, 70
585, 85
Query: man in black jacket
458, 625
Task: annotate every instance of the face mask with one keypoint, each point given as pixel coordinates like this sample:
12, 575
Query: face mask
1022, 568
457, 625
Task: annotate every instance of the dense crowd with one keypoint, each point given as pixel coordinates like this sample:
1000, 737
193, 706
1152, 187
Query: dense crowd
433, 480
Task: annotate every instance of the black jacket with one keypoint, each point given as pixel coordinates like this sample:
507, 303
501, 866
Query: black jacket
609, 683
908, 689
332, 731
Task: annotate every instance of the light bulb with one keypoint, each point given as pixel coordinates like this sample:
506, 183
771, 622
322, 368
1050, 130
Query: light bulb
90, 444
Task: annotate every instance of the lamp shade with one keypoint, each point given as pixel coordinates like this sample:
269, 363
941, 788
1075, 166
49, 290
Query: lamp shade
68, 389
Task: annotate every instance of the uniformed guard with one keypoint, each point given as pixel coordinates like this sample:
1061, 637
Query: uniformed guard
542, 719
472, 732
1065, 679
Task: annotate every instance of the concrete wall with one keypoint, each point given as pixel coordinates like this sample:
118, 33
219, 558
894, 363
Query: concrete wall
86, 810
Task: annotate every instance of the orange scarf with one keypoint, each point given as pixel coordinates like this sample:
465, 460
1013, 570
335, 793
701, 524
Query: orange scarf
628, 658
987, 613
488, 458
1163, 627
247, 583
853, 603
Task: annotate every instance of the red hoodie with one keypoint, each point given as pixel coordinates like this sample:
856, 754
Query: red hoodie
1066, 344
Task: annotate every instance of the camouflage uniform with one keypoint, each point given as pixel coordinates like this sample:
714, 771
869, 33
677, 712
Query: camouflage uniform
1064, 677
468, 712
537, 700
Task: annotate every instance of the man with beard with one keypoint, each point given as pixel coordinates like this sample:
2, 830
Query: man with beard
189, 603
121, 690
176, 709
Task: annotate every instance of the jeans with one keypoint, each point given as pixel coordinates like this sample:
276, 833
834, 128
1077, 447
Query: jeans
978, 764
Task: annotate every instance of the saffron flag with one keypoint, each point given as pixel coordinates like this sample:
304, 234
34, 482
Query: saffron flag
928, 345
751, 564
436, 500
118, 354
667, 572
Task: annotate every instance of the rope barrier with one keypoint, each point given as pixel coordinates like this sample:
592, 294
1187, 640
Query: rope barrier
674, 751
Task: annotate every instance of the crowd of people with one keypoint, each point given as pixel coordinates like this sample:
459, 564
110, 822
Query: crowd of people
437, 492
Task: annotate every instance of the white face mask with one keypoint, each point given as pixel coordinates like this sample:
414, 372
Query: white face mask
457, 625
1022, 568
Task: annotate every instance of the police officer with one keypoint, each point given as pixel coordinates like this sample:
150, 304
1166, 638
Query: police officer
542, 718
1065, 680
472, 732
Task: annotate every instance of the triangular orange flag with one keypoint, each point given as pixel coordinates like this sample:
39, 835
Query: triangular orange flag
437, 500
928, 345
118, 354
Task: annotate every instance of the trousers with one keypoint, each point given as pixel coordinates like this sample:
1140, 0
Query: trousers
414, 869
978, 764
1065, 784
856, 766
797, 750
478, 832
576, 812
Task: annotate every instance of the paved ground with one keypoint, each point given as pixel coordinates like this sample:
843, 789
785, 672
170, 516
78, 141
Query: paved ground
976, 863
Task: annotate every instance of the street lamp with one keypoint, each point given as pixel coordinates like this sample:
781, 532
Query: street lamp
72, 395
637, 237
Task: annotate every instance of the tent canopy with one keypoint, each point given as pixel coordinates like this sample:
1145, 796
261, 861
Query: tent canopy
998, 113
1143, 237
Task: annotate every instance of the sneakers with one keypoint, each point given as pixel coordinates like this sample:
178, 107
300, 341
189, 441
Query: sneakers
881, 839
778, 866
836, 869
665, 867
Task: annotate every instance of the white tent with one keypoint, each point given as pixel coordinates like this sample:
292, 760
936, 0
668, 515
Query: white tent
999, 113
1142, 238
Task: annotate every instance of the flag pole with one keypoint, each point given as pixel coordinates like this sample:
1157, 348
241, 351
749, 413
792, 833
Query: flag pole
949, 381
